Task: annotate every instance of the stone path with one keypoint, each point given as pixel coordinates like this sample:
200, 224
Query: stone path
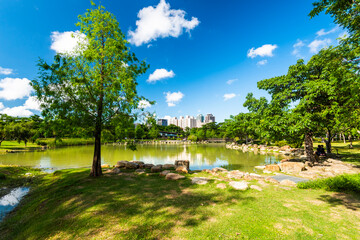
281, 177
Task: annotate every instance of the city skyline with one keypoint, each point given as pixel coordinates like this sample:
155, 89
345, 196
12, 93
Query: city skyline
187, 121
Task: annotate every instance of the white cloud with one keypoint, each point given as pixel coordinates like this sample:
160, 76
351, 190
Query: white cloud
32, 103
322, 32
67, 43
262, 62
1, 105
6, 71
160, 22
19, 111
14, 88
231, 81
297, 46
229, 96
173, 98
159, 74
144, 104
316, 45
264, 50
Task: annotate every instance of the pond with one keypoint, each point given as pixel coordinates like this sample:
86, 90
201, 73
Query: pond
200, 156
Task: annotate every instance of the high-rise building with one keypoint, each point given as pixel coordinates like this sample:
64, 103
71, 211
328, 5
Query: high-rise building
200, 118
209, 118
162, 122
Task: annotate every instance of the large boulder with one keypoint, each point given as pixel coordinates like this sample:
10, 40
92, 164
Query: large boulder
140, 171
121, 164
185, 163
273, 168
116, 171
156, 169
239, 185
131, 165
236, 174
181, 169
148, 166
292, 166
219, 169
164, 173
200, 180
173, 176
287, 182
168, 166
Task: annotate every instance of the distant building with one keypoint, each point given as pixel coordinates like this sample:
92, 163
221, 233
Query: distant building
162, 122
209, 118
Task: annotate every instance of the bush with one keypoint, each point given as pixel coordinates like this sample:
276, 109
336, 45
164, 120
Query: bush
281, 143
192, 138
2, 176
341, 183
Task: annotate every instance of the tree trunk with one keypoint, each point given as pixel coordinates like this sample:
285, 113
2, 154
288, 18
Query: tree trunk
96, 166
309, 148
350, 140
328, 142
344, 138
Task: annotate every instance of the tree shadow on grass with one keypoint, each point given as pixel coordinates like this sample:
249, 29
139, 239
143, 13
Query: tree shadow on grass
74, 205
352, 158
350, 201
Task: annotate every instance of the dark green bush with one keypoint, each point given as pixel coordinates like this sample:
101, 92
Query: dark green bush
341, 183
2, 176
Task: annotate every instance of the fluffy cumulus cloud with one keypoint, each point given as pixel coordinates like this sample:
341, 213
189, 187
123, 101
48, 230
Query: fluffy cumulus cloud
263, 51
14, 88
316, 45
144, 104
67, 42
6, 71
160, 22
231, 81
172, 98
322, 32
159, 74
229, 96
262, 62
20, 111
1, 106
32, 103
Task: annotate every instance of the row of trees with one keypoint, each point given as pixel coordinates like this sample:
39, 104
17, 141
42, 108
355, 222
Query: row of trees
315, 98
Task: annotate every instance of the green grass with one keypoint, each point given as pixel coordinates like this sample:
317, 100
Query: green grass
70, 205
64, 142
341, 183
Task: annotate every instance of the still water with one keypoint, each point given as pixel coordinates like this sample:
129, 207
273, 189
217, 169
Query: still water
200, 156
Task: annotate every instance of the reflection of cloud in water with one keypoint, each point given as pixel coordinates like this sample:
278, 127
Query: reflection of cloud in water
45, 162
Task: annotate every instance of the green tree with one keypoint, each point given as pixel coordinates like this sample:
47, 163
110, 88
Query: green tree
139, 132
95, 83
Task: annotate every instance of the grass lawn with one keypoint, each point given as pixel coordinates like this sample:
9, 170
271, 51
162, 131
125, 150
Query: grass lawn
348, 155
70, 205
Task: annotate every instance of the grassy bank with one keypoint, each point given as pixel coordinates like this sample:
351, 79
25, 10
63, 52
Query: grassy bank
68, 204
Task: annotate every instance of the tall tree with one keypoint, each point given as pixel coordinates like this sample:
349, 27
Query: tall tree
93, 84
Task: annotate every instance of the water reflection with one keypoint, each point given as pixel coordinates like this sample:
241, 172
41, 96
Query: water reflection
9, 201
200, 156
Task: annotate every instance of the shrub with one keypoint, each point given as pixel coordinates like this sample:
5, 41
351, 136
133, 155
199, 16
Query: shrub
341, 183
192, 138
2, 176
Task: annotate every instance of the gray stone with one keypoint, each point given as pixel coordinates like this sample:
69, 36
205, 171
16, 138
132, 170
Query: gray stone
239, 185
121, 164
219, 169
116, 171
131, 165
148, 166
140, 171
185, 163
236, 174
221, 185
168, 166
173, 176
156, 169
200, 180
255, 187
164, 173
292, 166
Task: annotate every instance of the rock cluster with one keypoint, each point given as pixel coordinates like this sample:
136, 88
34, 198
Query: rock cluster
285, 150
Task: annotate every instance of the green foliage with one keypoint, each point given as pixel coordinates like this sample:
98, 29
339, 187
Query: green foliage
341, 183
192, 138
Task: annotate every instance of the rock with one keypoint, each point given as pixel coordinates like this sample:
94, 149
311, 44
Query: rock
219, 169
292, 166
267, 171
131, 165
221, 185
116, 171
287, 182
164, 173
140, 171
185, 163
168, 166
271, 180
105, 166
285, 148
156, 169
236, 174
138, 162
255, 146
121, 164
273, 168
241, 185
255, 187
308, 174
173, 176
260, 167
148, 166
308, 164
181, 169
200, 180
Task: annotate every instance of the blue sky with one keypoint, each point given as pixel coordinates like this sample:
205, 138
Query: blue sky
204, 55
